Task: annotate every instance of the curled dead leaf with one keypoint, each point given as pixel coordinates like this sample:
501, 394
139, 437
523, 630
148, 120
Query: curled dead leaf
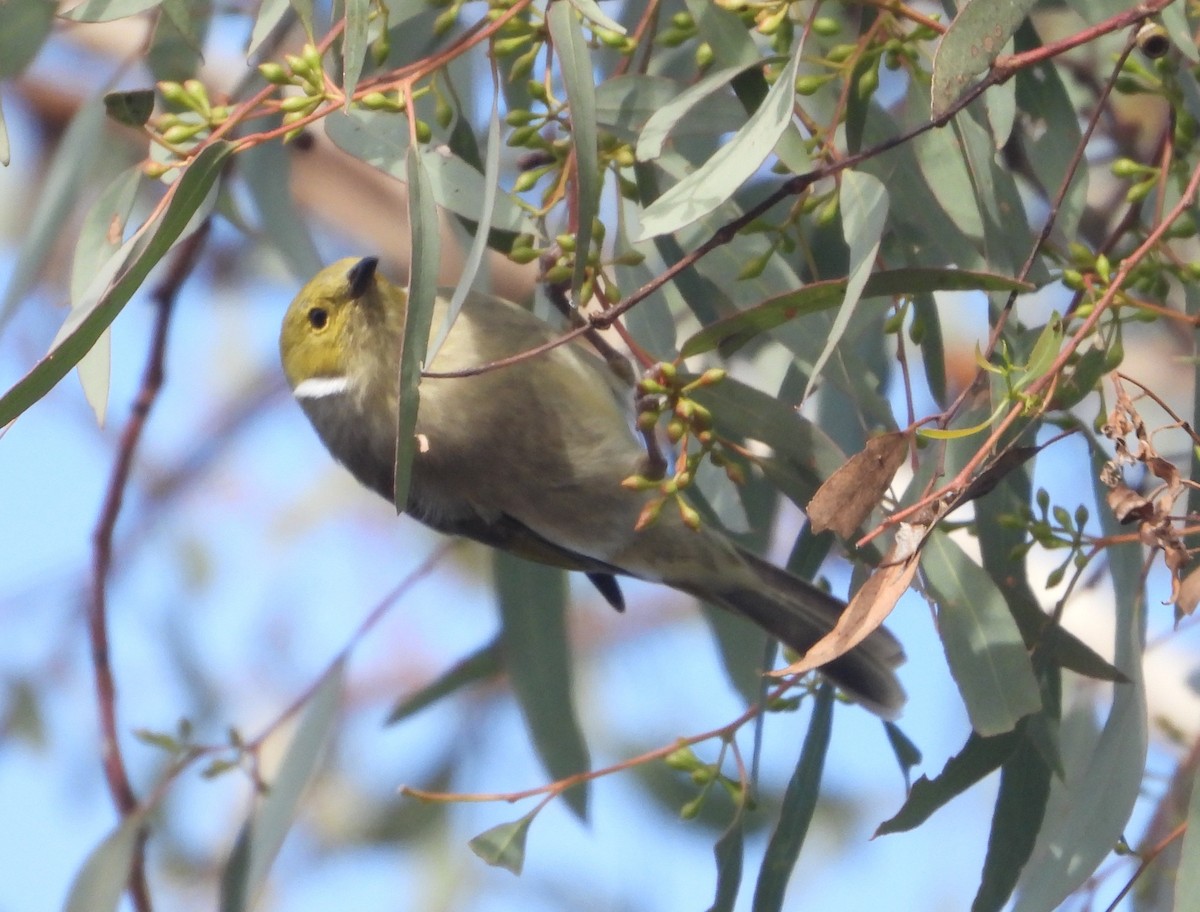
868, 609
849, 495
1128, 506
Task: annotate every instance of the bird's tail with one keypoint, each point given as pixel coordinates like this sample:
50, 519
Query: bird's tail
799, 614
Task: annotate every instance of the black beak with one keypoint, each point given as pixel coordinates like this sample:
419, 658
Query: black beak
361, 275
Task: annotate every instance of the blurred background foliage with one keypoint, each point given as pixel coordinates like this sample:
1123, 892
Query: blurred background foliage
767, 177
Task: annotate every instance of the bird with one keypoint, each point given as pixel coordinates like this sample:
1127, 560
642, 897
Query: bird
529, 458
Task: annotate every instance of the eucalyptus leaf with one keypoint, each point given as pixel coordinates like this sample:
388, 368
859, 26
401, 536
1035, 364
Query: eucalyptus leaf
625, 103
1101, 785
5, 149
381, 140
1020, 810
988, 658
487, 207
715, 181
733, 332
798, 808
533, 601
974, 40
1187, 878
271, 13
24, 27
575, 63
66, 177
85, 324
108, 10
662, 121
591, 11
978, 758
863, 201
729, 854
484, 664
262, 835
418, 316
354, 45
102, 879
503, 846
130, 109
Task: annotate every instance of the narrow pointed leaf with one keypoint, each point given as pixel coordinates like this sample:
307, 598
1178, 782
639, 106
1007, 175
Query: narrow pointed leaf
418, 315
799, 806
978, 758
975, 39
1016, 821
575, 62
65, 179
660, 124
988, 658
263, 833
354, 45
729, 854
863, 201
491, 177
85, 324
483, 664
102, 879
533, 601
733, 332
715, 181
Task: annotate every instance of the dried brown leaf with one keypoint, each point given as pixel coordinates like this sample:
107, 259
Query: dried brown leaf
849, 495
868, 609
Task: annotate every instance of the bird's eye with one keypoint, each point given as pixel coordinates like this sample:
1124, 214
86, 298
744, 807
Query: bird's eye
318, 317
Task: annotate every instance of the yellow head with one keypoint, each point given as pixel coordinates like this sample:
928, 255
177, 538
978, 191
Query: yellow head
338, 327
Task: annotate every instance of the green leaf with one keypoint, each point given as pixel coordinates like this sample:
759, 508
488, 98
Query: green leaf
479, 244
1187, 877
1020, 810
799, 806
270, 14
304, 9
733, 332
381, 140
987, 656
575, 62
1102, 783
267, 171
907, 753
85, 324
802, 455
24, 27
263, 833
663, 120
978, 758
65, 180
625, 103
974, 40
5, 149
484, 664
131, 109
101, 880
418, 316
591, 11
729, 853
108, 10
103, 231
715, 181
863, 201
503, 846
533, 601
354, 45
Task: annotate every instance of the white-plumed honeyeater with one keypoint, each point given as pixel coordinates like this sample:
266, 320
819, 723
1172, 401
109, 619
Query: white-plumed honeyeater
530, 458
